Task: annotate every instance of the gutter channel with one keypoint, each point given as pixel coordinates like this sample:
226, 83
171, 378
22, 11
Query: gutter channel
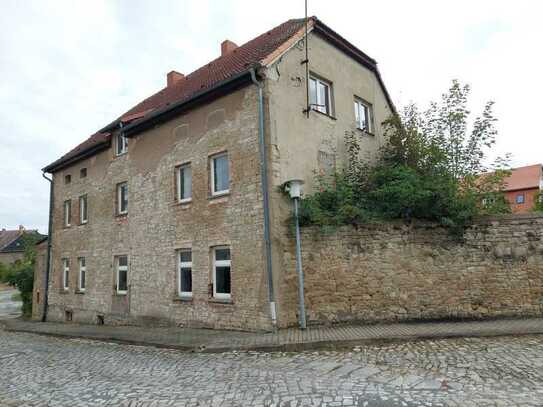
49, 245
265, 196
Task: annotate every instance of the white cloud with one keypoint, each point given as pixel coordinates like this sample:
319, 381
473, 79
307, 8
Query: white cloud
68, 68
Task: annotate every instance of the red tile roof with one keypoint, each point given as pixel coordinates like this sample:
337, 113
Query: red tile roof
203, 78
524, 178
221, 68
261, 50
96, 141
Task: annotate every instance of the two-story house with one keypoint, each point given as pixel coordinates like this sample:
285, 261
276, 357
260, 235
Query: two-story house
172, 213
523, 187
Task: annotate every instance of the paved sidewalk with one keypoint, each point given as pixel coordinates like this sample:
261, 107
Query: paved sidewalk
207, 340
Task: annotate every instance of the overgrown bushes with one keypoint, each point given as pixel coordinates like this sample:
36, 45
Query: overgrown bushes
429, 169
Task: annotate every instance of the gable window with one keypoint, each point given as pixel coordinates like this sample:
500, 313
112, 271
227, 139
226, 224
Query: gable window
121, 144
82, 274
122, 198
65, 274
184, 183
520, 199
122, 274
82, 173
83, 209
320, 95
67, 213
363, 113
220, 176
185, 273
67, 179
221, 272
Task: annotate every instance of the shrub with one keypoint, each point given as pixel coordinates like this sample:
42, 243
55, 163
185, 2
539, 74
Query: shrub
428, 169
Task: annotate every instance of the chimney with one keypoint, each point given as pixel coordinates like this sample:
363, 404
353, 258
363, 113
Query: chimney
227, 47
173, 77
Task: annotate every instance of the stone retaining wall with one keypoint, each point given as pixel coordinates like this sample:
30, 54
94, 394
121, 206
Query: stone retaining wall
416, 272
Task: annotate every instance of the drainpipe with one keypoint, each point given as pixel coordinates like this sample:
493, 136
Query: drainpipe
265, 195
49, 244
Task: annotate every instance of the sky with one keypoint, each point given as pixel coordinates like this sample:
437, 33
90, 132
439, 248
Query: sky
67, 68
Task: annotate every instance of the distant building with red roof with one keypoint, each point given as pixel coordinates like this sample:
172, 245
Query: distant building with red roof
523, 186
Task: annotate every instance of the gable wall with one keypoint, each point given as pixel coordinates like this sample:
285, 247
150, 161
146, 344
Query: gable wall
302, 147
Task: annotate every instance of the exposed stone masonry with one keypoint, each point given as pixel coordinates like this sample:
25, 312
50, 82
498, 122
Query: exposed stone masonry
398, 272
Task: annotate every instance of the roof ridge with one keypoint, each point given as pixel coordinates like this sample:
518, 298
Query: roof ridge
179, 85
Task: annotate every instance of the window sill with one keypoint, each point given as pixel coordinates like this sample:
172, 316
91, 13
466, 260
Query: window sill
82, 224
183, 299
120, 294
79, 291
364, 132
185, 204
324, 114
64, 291
222, 301
121, 154
217, 197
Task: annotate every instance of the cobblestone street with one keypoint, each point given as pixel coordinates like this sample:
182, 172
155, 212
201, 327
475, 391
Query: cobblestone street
45, 371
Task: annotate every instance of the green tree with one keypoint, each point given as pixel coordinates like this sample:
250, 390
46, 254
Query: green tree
429, 169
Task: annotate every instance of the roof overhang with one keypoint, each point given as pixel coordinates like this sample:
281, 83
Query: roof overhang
345, 46
84, 154
167, 113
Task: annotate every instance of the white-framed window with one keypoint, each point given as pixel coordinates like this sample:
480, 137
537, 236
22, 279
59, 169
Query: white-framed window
83, 209
184, 183
122, 198
121, 144
65, 274
122, 274
67, 213
320, 95
82, 274
220, 174
184, 275
363, 113
221, 272
520, 199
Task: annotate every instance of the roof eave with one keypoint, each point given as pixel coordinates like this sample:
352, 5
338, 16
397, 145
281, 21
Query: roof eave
341, 43
162, 115
84, 154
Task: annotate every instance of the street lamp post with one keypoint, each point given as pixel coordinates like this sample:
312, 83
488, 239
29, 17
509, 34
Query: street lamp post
295, 191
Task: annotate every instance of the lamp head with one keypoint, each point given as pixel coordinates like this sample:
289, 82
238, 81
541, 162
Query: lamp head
295, 188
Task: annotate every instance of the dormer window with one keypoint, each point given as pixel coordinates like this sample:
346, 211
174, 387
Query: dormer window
121, 144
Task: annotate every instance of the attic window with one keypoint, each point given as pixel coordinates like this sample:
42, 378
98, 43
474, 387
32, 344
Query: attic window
67, 179
121, 146
83, 173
